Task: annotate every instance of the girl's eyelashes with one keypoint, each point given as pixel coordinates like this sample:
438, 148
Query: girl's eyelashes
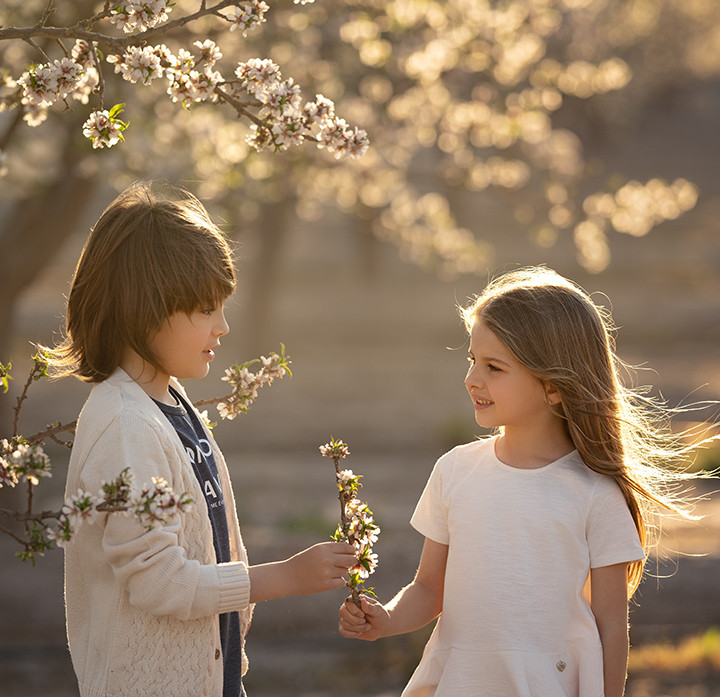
490, 366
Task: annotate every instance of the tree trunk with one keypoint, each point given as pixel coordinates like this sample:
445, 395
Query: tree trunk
264, 277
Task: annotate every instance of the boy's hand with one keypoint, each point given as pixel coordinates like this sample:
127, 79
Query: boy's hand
321, 567
368, 623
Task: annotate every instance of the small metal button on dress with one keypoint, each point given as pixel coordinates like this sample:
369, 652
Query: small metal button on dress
561, 665
217, 654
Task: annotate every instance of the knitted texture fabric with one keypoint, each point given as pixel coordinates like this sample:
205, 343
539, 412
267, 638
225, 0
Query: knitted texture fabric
142, 606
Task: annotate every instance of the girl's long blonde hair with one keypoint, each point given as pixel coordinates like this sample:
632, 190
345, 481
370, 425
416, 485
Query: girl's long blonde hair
556, 331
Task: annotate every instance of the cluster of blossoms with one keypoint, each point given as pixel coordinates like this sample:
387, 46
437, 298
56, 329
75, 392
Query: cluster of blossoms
20, 460
140, 15
248, 16
154, 505
103, 128
287, 121
74, 76
246, 384
357, 525
190, 78
157, 505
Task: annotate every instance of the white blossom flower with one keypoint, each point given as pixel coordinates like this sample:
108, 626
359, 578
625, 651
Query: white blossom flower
157, 505
139, 14
138, 64
248, 16
322, 109
209, 51
103, 129
34, 114
26, 460
40, 86
341, 140
258, 75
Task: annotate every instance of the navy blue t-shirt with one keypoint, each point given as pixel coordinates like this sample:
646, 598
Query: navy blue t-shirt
192, 435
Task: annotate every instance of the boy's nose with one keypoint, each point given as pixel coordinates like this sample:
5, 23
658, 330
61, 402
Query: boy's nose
222, 327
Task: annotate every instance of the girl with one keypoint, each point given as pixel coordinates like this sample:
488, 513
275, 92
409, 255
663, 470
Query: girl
164, 611
535, 537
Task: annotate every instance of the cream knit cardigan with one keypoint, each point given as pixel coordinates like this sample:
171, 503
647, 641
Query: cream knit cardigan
142, 607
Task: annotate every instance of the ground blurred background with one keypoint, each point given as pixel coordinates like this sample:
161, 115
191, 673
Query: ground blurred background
378, 359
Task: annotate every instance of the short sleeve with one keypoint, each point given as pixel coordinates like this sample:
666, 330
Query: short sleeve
430, 516
611, 533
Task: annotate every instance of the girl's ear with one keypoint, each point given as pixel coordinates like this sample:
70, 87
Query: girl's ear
552, 395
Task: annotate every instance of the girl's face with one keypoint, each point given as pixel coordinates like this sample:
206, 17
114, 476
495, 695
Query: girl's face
503, 391
185, 344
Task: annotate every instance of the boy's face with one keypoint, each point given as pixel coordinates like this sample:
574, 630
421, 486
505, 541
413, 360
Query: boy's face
185, 344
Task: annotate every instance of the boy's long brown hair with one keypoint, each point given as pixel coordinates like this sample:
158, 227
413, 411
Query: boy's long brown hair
556, 331
153, 252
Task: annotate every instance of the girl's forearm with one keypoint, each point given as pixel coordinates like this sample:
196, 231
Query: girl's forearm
616, 647
412, 608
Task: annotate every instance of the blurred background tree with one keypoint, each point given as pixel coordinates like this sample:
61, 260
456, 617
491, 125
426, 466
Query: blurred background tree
467, 102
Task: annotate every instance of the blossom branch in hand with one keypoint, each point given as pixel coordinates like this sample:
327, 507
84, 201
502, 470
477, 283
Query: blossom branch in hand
357, 525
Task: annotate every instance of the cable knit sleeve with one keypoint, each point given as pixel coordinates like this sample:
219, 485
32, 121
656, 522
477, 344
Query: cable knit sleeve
169, 570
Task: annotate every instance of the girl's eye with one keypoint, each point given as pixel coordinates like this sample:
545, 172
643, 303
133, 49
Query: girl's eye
493, 368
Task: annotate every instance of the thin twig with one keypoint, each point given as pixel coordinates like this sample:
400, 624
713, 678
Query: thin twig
47, 12
52, 431
12, 534
23, 517
215, 400
21, 398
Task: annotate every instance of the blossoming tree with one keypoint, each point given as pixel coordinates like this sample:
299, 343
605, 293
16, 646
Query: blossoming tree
24, 462
463, 98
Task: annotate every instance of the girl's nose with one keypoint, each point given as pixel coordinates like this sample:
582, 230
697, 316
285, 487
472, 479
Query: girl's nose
472, 379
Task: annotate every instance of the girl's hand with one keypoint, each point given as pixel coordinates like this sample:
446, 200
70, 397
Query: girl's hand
367, 623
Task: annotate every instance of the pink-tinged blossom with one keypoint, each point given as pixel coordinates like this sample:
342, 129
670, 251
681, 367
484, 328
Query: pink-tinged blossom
141, 15
40, 86
341, 140
157, 505
258, 75
246, 384
19, 460
33, 113
248, 16
209, 52
78, 509
322, 109
138, 64
43, 85
103, 130
281, 101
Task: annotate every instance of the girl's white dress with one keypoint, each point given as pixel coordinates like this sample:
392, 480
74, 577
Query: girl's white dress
515, 622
